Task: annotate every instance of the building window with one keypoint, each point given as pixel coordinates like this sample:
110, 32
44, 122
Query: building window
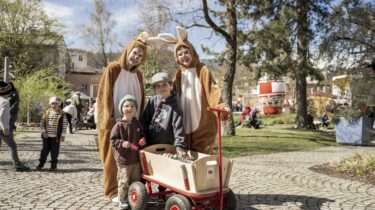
84, 87
80, 58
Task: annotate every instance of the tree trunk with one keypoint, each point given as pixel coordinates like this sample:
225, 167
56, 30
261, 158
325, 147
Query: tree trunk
301, 101
302, 51
232, 60
28, 115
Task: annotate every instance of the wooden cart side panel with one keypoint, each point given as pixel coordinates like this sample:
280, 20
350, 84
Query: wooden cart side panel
229, 171
160, 148
165, 170
207, 173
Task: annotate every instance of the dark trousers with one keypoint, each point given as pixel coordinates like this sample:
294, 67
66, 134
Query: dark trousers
50, 145
69, 118
9, 140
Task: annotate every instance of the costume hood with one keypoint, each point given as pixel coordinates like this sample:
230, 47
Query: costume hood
181, 41
142, 41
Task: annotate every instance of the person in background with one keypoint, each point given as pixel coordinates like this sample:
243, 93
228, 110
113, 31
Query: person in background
324, 120
9, 102
254, 121
244, 117
77, 102
53, 128
310, 121
91, 116
239, 106
127, 136
71, 115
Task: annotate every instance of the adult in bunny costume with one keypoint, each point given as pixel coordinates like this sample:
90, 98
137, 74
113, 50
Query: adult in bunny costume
119, 79
197, 90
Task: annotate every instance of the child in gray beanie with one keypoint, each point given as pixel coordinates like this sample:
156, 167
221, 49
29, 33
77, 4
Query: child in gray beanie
127, 136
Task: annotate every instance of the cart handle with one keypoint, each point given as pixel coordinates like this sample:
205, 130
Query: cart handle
212, 109
219, 112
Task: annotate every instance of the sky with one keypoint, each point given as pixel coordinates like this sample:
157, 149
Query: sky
72, 14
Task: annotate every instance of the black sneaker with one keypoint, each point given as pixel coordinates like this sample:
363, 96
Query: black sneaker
53, 167
21, 167
39, 167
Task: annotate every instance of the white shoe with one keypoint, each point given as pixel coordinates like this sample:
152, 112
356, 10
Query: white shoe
124, 205
115, 199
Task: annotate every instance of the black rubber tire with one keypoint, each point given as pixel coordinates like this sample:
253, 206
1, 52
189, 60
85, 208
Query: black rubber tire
179, 201
137, 195
230, 202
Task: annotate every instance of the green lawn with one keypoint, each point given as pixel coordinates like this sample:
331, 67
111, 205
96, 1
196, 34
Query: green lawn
271, 139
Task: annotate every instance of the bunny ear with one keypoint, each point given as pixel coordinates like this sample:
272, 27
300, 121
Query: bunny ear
181, 32
142, 36
168, 38
154, 41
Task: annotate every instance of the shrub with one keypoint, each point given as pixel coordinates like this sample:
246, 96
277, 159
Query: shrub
360, 163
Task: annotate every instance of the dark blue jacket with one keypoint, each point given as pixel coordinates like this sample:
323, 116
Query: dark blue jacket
163, 121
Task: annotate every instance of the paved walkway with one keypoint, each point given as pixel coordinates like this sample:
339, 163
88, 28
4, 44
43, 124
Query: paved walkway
276, 181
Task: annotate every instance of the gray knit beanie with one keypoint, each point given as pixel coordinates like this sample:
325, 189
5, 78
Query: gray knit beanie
127, 98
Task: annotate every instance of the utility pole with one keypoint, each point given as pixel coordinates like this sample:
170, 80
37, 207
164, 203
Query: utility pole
6, 69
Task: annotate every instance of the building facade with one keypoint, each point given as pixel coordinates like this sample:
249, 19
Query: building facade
82, 77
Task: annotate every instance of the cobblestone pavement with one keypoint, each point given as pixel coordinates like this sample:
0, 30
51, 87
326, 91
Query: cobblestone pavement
276, 181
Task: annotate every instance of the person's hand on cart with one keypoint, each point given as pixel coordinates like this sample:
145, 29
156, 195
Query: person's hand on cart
142, 141
181, 152
225, 115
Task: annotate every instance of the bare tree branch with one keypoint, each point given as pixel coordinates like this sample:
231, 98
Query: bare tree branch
213, 24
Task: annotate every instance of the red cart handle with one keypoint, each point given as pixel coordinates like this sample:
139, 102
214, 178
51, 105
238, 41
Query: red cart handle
219, 112
211, 109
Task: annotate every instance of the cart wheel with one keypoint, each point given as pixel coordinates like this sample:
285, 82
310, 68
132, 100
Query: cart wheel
230, 201
137, 195
178, 202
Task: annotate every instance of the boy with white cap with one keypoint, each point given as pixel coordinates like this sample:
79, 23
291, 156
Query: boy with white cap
162, 117
127, 136
53, 128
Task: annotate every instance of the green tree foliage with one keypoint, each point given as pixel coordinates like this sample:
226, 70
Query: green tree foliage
351, 37
269, 49
280, 42
36, 89
26, 35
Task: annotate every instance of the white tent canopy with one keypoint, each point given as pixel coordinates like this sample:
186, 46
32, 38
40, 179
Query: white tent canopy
82, 96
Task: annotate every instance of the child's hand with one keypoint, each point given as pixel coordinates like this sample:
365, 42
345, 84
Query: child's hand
62, 138
126, 144
182, 152
142, 141
44, 135
225, 116
6, 132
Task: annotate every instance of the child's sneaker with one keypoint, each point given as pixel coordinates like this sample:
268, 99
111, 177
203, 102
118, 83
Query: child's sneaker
53, 167
39, 167
115, 199
123, 205
21, 167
